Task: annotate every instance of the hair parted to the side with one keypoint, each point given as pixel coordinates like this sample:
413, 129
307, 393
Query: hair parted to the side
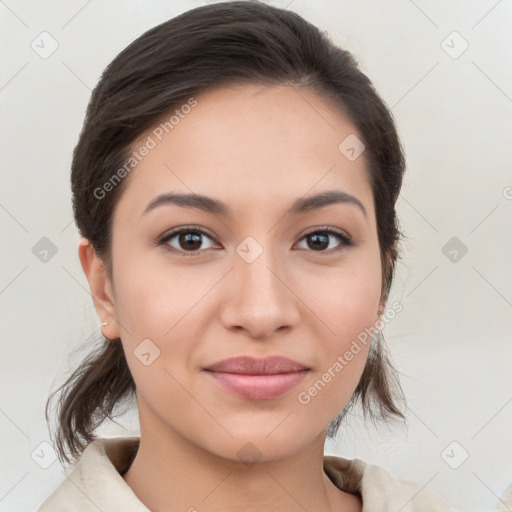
206, 47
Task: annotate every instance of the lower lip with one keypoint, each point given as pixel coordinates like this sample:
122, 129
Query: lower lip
258, 387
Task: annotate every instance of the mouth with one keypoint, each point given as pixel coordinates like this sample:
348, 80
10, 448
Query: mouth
258, 379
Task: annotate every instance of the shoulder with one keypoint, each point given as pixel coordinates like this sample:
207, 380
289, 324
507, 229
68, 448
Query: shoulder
95, 482
381, 490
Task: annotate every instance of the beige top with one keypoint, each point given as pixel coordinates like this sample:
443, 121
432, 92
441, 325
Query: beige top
96, 483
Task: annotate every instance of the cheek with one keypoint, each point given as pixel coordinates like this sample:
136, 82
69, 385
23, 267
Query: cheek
153, 299
342, 355
346, 303
346, 298
161, 312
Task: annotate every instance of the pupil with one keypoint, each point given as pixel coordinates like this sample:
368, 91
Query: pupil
189, 237
324, 238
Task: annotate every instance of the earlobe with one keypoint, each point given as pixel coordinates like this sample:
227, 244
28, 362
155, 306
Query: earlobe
100, 286
380, 312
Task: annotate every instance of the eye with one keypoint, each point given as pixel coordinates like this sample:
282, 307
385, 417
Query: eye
189, 238
320, 240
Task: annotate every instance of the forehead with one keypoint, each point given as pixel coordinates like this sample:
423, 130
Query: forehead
247, 145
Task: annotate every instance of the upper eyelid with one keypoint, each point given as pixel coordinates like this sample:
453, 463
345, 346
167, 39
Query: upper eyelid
179, 229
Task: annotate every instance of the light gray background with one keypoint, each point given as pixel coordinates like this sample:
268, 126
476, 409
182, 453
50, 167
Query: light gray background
451, 342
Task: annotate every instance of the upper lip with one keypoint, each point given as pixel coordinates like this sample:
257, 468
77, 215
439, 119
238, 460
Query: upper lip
253, 366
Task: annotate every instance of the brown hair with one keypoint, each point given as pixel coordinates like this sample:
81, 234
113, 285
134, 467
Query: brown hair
206, 47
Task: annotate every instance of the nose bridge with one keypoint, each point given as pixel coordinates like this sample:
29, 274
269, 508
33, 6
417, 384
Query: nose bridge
256, 264
257, 268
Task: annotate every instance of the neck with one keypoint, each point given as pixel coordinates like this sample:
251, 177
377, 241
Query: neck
171, 474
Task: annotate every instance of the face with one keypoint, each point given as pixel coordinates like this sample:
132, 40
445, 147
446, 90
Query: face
254, 280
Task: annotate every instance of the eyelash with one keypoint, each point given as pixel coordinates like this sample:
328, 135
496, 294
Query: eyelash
162, 241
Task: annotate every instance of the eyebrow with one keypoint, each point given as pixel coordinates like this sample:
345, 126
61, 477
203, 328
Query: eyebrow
210, 205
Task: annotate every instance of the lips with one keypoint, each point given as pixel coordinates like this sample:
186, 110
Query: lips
257, 379
252, 366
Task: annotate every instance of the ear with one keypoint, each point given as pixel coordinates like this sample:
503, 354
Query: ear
380, 311
383, 299
100, 286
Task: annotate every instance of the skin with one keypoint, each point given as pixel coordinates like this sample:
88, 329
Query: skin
258, 149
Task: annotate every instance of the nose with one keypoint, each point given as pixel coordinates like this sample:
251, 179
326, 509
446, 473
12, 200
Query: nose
261, 299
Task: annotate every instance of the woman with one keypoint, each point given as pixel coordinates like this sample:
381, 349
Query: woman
235, 185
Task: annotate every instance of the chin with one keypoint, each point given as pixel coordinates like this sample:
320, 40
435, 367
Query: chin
253, 443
